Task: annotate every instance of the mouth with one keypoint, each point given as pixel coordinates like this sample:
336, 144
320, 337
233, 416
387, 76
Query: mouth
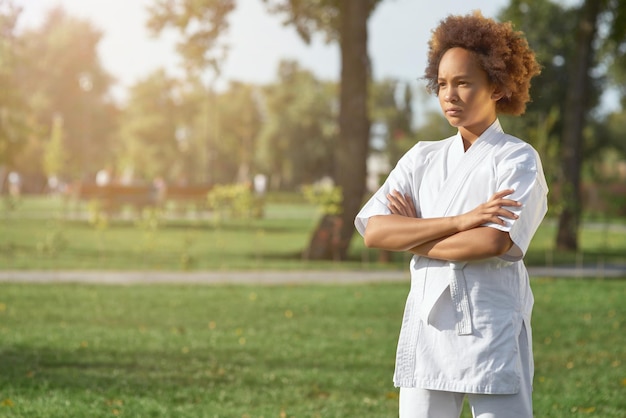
453, 111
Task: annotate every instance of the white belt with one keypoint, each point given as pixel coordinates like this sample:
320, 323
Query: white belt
460, 299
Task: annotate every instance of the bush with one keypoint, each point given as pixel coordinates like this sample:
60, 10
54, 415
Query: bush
325, 195
236, 201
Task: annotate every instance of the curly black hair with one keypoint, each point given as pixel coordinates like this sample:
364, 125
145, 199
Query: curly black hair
502, 53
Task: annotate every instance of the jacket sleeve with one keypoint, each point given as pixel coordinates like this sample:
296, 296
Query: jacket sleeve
523, 173
402, 178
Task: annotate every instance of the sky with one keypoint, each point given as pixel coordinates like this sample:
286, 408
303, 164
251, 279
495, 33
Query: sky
399, 31
398, 35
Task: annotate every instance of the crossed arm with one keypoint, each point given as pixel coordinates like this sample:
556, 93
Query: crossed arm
453, 238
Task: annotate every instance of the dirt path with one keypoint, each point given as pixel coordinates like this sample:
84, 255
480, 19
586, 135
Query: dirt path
269, 277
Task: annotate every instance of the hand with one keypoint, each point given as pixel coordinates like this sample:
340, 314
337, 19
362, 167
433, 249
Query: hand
401, 204
490, 211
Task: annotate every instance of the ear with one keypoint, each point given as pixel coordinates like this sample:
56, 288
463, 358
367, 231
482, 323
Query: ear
497, 94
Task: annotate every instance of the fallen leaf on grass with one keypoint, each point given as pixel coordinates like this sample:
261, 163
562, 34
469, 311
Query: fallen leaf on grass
392, 395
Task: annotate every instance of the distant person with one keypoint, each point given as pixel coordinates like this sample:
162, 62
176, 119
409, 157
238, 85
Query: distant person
53, 184
159, 190
466, 207
260, 184
15, 184
103, 177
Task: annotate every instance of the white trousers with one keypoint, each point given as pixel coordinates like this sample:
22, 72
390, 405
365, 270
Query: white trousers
425, 403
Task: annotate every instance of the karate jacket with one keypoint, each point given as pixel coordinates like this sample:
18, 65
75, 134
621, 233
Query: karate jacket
462, 320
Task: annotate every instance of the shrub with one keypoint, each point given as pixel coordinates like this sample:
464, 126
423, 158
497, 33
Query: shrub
325, 195
236, 201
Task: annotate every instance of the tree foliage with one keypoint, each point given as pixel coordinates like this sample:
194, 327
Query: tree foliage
195, 131
61, 74
239, 113
575, 52
201, 25
542, 123
55, 114
54, 150
391, 110
299, 132
13, 105
147, 143
203, 22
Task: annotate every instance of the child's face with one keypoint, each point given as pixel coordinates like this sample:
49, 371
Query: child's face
466, 97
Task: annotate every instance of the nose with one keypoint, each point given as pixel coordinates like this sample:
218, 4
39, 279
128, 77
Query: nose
450, 96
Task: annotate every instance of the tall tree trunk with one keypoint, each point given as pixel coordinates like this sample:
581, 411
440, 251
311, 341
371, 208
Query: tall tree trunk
354, 124
576, 109
354, 130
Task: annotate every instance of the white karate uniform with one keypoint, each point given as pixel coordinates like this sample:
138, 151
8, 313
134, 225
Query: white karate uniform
462, 321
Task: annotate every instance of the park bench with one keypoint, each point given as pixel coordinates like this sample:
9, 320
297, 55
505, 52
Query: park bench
184, 196
111, 198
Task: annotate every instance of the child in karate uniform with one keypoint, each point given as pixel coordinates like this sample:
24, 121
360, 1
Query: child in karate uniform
466, 207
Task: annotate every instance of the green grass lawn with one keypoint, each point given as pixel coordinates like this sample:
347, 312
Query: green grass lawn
40, 233
272, 351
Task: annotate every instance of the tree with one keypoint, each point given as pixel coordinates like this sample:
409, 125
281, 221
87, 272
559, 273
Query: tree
299, 132
148, 147
61, 75
201, 25
567, 91
392, 118
615, 47
13, 106
577, 105
239, 117
575, 114
193, 127
542, 123
54, 150
392, 128
435, 126
343, 21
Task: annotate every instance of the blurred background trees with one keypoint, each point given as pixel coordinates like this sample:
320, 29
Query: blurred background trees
147, 145
14, 111
299, 132
582, 54
58, 120
63, 79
